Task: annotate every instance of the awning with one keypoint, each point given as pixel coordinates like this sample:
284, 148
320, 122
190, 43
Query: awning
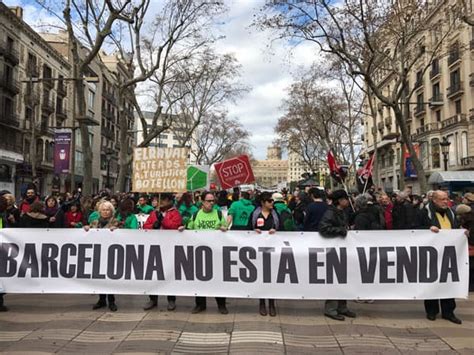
451, 176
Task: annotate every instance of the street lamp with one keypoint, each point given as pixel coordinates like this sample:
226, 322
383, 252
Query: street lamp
108, 157
445, 150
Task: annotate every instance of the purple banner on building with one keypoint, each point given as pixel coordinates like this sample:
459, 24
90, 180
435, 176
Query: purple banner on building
62, 149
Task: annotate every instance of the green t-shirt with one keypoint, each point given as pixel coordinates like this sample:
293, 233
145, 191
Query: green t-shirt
131, 222
241, 211
145, 209
206, 221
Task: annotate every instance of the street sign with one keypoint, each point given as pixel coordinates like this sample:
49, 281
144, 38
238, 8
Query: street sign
197, 176
234, 172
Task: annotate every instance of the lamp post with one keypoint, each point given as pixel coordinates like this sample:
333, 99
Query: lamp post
108, 157
445, 150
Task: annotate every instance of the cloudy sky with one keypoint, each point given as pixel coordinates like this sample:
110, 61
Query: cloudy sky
268, 71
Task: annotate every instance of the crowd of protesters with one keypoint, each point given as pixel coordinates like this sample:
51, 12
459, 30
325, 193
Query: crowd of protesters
332, 214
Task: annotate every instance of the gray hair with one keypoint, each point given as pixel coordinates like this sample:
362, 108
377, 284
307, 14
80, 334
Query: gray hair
108, 205
362, 201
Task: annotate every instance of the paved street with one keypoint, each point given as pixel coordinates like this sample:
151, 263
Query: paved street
66, 324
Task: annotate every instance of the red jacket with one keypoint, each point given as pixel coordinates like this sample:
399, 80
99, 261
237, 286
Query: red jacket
25, 205
69, 217
388, 216
171, 219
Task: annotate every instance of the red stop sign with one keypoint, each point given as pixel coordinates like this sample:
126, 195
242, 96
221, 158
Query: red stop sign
234, 172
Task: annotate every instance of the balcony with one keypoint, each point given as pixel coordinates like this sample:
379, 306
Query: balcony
61, 114
454, 57
45, 129
109, 96
9, 119
32, 70
467, 163
32, 96
10, 85
434, 73
454, 120
47, 105
420, 110
9, 52
61, 90
455, 90
48, 83
108, 133
436, 101
427, 128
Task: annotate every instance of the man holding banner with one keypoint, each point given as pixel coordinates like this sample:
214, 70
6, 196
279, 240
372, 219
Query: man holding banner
437, 215
334, 224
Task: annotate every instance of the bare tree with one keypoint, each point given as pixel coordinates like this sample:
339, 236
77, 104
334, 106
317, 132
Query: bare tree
204, 85
314, 122
154, 50
217, 137
381, 42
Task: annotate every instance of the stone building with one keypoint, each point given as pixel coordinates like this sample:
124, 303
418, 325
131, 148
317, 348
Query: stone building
441, 108
271, 172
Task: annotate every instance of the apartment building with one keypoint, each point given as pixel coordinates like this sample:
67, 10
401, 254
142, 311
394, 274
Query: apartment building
29, 108
272, 171
441, 109
297, 167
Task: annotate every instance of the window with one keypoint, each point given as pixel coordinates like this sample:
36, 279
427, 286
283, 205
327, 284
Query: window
464, 146
438, 116
436, 92
452, 150
458, 106
91, 99
435, 153
455, 78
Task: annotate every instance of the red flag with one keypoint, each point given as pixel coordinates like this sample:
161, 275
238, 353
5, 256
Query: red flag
335, 169
366, 171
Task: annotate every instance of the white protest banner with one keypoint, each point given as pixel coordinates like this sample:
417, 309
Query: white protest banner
364, 265
159, 169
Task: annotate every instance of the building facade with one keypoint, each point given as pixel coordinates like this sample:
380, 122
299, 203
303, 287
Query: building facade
271, 172
30, 109
441, 108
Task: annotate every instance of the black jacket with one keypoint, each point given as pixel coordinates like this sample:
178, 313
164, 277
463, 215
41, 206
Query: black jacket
334, 223
34, 220
368, 219
404, 216
428, 217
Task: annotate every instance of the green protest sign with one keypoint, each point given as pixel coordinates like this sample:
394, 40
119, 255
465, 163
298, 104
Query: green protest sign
197, 177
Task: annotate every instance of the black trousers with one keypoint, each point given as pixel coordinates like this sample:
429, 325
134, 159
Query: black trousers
154, 298
447, 306
110, 298
201, 301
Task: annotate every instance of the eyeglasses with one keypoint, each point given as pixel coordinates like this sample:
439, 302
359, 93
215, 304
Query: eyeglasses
210, 201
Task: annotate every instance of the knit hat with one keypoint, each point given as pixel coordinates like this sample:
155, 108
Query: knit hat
462, 209
277, 197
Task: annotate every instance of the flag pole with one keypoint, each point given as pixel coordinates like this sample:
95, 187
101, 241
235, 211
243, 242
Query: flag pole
370, 173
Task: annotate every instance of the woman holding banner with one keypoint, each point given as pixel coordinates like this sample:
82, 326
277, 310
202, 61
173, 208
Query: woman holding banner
106, 221
265, 218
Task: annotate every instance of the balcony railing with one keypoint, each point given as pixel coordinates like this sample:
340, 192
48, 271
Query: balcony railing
32, 70
455, 89
451, 121
9, 119
420, 109
61, 114
107, 132
9, 52
428, 128
468, 162
435, 72
436, 100
10, 85
48, 83
453, 57
32, 96
11, 144
47, 105
62, 91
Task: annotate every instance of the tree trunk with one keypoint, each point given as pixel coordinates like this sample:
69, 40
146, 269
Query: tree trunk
124, 160
85, 140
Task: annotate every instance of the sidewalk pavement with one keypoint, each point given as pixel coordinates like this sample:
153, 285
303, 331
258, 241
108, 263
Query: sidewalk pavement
42, 324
